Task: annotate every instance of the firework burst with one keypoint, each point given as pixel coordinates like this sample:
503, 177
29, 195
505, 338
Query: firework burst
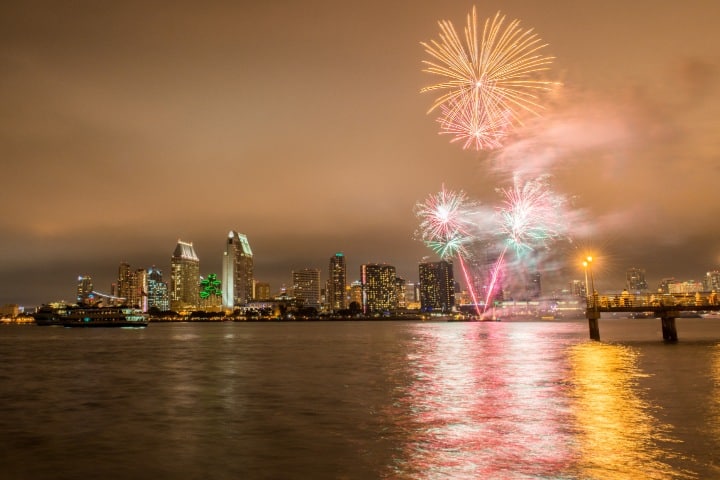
531, 215
445, 227
444, 222
489, 81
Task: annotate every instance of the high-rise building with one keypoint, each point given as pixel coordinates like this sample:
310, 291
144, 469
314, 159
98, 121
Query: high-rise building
355, 294
379, 288
237, 271
184, 277
437, 286
84, 289
337, 281
262, 291
712, 281
132, 286
157, 294
306, 287
635, 280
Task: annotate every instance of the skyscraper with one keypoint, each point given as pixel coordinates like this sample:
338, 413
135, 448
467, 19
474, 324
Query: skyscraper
132, 286
437, 286
379, 288
635, 280
84, 289
306, 287
337, 282
184, 277
237, 271
712, 281
157, 290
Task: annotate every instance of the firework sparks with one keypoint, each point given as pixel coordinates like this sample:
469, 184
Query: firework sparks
445, 228
444, 224
489, 81
466, 119
531, 215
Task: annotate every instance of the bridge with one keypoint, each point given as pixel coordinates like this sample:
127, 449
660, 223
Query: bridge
667, 307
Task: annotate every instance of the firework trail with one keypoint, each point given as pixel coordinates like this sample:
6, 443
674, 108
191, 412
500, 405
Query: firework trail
489, 81
531, 217
445, 227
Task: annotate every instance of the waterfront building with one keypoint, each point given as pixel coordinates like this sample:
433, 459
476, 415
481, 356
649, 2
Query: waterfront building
306, 287
262, 291
577, 288
379, 290
665, 284
337, 281
437, 286
84, 290
237, 271
533, 287
132, 286
157, 294
635, 281
712, 281
184, 277
685, 288
355, 295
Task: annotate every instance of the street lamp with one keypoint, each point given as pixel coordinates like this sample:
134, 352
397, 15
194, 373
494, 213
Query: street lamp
587, 263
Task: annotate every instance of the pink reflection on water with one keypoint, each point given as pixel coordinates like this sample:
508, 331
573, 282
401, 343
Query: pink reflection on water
487, 401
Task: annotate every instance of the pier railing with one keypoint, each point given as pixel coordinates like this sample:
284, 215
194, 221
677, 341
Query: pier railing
629, 302
665, 306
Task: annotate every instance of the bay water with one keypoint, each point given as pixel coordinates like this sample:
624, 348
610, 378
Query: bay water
361, 400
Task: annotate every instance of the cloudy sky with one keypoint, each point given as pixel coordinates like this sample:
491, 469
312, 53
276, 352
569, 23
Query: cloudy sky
127, 125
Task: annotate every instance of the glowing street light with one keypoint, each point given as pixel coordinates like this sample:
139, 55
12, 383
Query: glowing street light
588, 266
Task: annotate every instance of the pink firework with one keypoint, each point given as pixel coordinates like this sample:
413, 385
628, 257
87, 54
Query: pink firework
468, 121
532, 215
445, 227
444, 224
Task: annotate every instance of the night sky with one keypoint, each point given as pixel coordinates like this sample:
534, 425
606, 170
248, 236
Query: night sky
127, 125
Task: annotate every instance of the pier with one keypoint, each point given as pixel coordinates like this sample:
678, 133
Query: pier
666, 307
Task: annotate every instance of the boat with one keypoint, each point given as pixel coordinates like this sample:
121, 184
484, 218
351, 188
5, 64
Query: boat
125, 317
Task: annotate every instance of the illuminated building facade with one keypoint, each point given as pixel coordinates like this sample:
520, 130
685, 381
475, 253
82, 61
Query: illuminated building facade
712, 281
84, 290
337, 282
306, 287
184, 277
355, 294
237, 271
262, 291
132, 286
635, 280
379, 289
157, 294
437, 286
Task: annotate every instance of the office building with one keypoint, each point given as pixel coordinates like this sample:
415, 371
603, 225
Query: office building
84, 290
712, 281
379, 288
157, 294
132, 286
337, 282
184, 277
437, 286
237, 271
635, 281
306, 287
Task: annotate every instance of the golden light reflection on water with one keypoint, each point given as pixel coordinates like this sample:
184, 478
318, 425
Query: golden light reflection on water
618, 435
714, 420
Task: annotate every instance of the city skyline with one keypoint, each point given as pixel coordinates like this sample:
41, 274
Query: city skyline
128, 126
